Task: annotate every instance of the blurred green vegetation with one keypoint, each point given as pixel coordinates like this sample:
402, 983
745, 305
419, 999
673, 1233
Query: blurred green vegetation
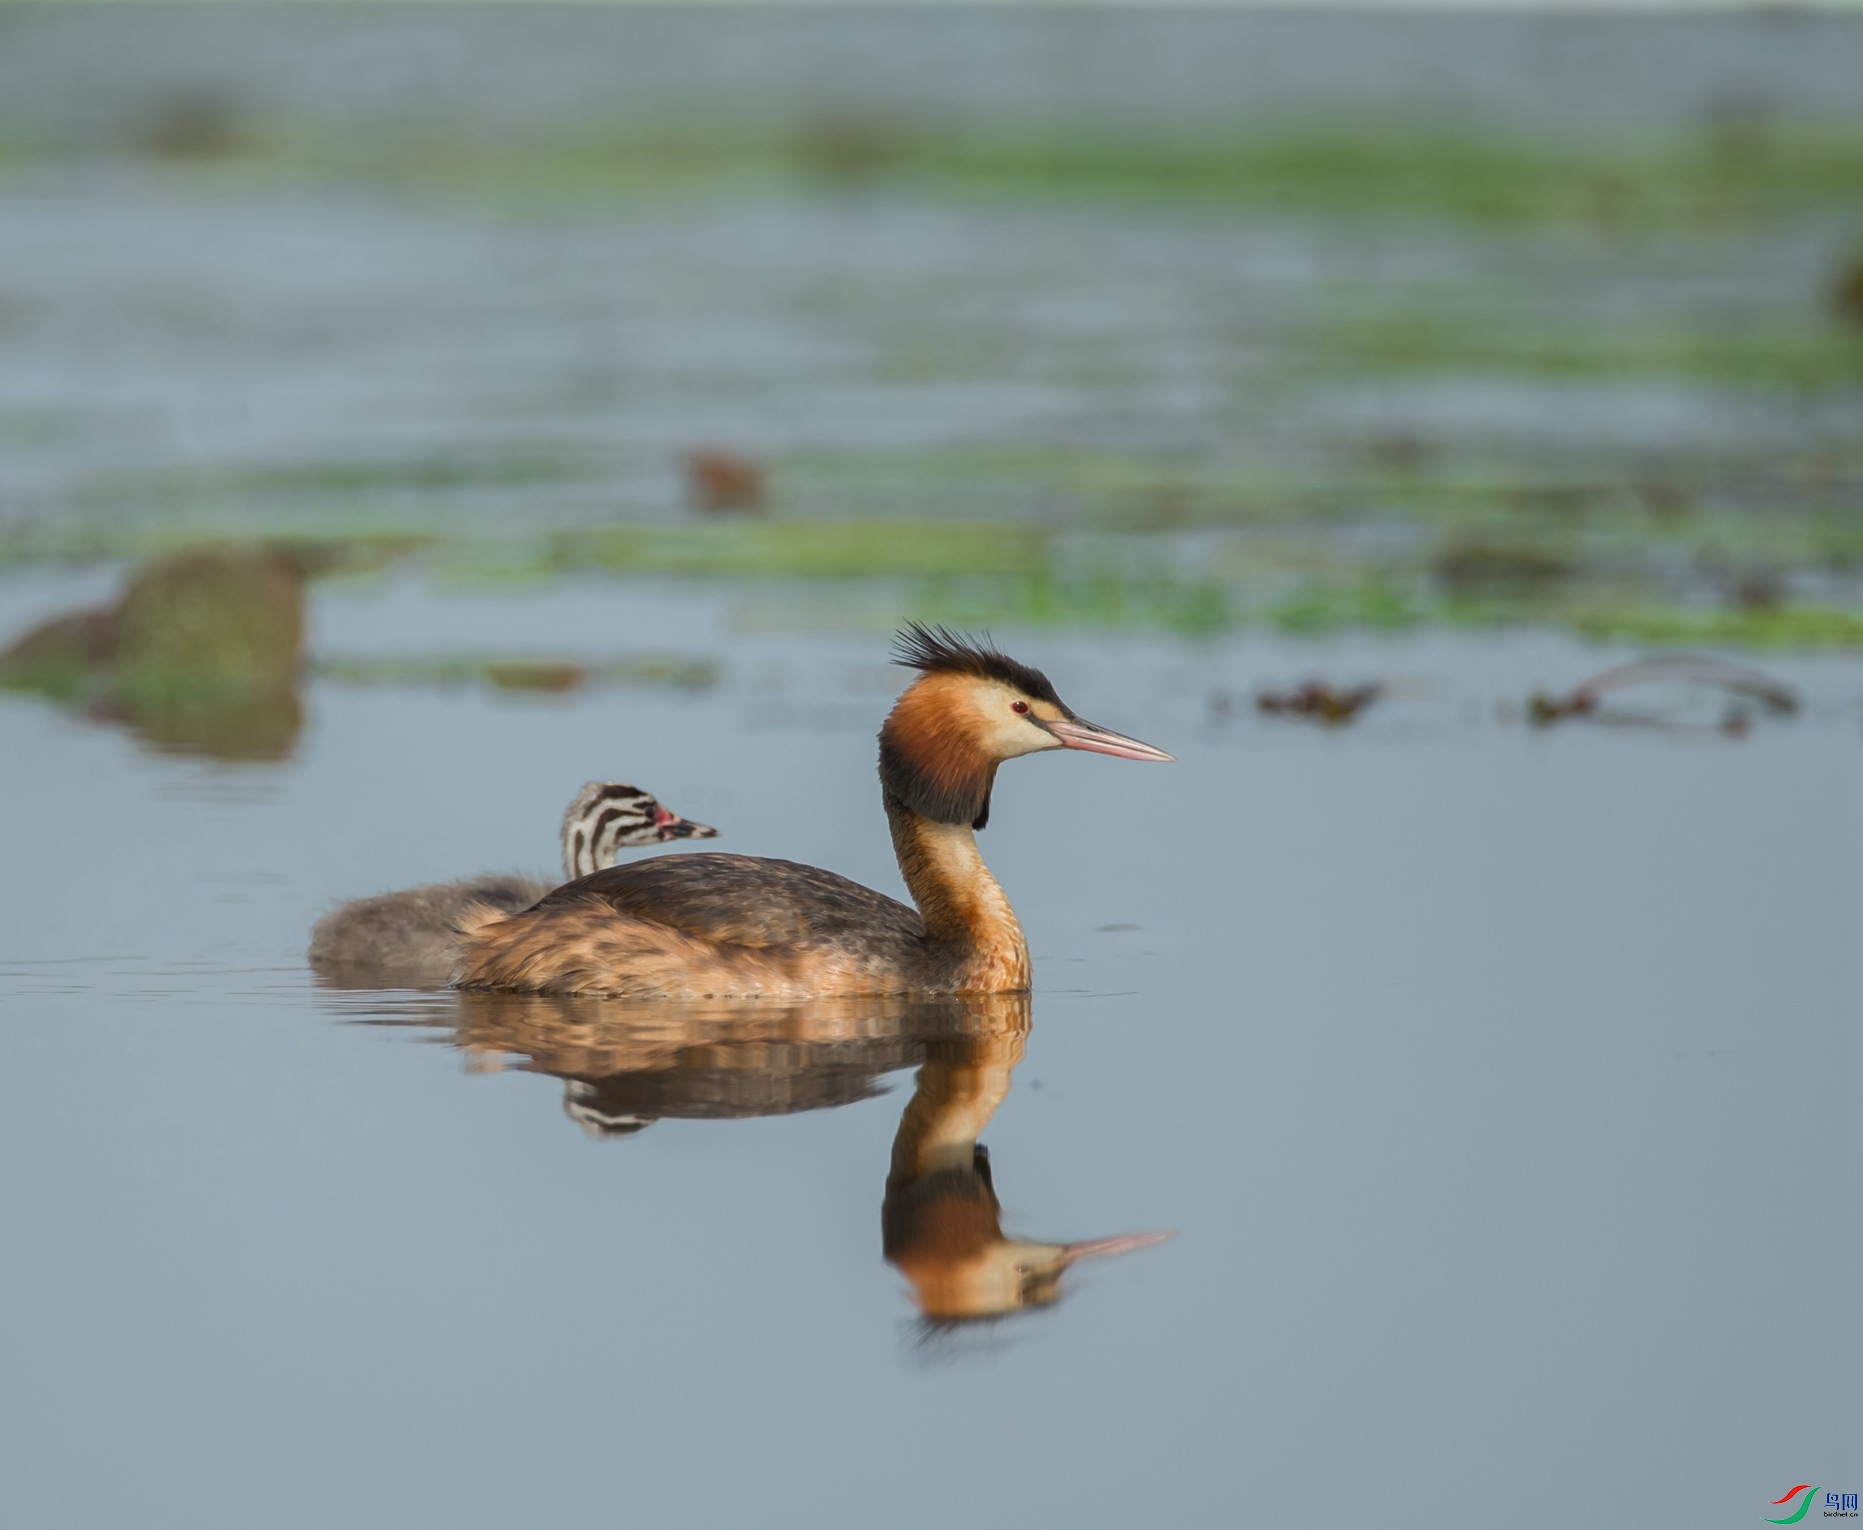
541, 676
803, 549
1732, 171
208, 623
1344, 526
198, 656
1775, 627
347, 480
1806, 355
1737, 172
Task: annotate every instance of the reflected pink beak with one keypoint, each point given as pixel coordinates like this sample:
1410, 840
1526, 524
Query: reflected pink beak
1078, 734
1106, 1248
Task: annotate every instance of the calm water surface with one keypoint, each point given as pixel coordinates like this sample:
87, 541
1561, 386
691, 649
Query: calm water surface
1499, 1087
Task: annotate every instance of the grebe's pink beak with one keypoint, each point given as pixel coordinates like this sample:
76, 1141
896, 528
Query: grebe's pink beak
1106, 1248
1079, 734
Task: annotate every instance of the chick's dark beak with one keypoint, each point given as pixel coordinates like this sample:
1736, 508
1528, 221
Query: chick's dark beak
1077, 733
671, 826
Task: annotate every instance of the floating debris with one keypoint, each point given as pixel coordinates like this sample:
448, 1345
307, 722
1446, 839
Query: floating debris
854, 149
1317, 699
1398, 453
1847, 291
198, 123
1499, 568
1738, 681
720, 481
553, 676
1757, 590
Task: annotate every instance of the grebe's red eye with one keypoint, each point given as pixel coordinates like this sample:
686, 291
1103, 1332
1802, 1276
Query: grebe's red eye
1019, 706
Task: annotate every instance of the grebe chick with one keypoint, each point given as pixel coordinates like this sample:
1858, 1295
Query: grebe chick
413, 936
718, 926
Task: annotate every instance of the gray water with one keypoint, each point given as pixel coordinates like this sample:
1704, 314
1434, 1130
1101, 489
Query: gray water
93, 71
1497, 1083
206, 356
1499, 1086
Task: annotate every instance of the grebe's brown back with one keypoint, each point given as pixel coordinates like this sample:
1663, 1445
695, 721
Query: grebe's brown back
412, 937
709, 926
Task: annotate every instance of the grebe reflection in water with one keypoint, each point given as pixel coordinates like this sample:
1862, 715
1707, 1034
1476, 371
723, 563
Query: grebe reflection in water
625, 1066
941, 1223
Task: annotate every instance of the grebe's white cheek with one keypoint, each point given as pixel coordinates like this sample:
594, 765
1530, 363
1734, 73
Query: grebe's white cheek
1014, 735
1032, 738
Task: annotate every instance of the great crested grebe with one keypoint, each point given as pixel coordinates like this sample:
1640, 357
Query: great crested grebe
415, 934
717, 926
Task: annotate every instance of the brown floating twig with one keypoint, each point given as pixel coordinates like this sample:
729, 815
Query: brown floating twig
719, 481
1325, 703
1692, 669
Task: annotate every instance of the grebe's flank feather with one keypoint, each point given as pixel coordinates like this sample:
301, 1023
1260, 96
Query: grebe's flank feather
700, 927
742, 899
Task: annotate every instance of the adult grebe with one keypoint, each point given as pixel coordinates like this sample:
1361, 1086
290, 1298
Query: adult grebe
718, 926
415, 934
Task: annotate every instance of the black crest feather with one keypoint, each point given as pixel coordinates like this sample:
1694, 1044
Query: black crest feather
940, 651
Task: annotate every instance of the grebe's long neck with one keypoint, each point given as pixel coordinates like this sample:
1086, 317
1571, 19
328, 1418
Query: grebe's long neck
958, 1089
963, 906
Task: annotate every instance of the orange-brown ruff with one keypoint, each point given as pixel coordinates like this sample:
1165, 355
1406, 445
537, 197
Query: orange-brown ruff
724, 926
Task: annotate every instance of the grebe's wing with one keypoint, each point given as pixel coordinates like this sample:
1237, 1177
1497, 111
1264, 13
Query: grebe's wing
744, 900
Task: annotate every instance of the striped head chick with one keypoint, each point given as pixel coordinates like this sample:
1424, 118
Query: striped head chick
607, 817
972, 708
